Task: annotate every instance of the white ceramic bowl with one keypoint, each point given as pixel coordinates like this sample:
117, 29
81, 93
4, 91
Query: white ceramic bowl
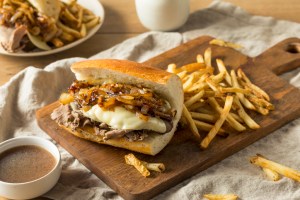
35, 188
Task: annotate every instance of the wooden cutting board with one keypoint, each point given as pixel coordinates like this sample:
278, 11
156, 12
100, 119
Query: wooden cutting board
183, 157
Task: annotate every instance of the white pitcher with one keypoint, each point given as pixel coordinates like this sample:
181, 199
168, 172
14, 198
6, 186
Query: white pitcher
162, 15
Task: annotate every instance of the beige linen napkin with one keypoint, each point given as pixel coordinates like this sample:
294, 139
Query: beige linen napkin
33, 88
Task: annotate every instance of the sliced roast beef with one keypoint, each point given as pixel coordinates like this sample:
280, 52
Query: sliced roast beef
11, 38
137, 135
115, 133
66, 115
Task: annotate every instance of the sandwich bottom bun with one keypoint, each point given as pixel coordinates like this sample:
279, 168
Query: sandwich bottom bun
151, 145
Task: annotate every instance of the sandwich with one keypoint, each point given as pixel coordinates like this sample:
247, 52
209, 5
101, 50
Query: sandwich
123, 104
28, 24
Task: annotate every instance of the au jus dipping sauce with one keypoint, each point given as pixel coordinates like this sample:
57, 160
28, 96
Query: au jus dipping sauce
25, 163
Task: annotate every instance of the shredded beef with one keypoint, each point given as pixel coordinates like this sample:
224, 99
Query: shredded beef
136, 135
13, 42
115, 134
66, 116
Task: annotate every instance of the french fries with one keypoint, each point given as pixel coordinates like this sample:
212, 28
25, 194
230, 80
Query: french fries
73, 23
191, 123
220, 196
260, 161
207, 91
271, 174
158, 167
142, 166
130, 159
222, 43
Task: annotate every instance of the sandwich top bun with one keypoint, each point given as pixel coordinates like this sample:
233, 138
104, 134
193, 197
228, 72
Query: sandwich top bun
165, 84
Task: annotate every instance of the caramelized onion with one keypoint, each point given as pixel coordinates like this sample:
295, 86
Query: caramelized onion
142, 101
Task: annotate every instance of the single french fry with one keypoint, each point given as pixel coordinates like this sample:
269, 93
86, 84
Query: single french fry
242, 113
260, 102
219, 77
261, 110
207, 110
89, 25
221, 196
189, 82
67, 37
207, 127
232, 122
200, 58
18, 14
212, 85
66, 12
158, 167
222, 43
223, 115
194, 99
196, 106
243, 76
57, 42
197, 87
80, 16
87, 17
233, 90
204, 117
172, 68
281, 169
69, 30
236, 117
210, 93
182, 74
271, 174
130, 159
83, 30
207, 57
191, 123
193, 66
222, 68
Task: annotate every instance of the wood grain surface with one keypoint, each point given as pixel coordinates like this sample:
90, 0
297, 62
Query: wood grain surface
183, 157
121, 22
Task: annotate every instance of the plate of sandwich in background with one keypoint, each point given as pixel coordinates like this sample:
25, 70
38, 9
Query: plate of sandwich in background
37, 28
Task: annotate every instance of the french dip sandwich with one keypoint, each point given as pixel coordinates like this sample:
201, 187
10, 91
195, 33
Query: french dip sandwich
123, 104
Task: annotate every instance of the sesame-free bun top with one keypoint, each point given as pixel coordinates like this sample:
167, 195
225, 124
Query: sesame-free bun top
86, 69
165, 84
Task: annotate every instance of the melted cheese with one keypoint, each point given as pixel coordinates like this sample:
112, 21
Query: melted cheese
121, 118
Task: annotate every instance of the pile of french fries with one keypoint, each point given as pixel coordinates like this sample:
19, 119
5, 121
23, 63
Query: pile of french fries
217, 102
73, 23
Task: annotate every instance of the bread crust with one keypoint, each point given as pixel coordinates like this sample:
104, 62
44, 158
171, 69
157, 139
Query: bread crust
124, 66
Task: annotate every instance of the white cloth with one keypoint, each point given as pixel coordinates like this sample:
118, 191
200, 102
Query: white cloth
33, 88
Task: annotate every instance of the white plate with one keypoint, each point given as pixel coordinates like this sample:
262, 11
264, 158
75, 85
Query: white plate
94, 5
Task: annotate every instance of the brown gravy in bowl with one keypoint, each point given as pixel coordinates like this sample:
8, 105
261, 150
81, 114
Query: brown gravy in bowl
25, 163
